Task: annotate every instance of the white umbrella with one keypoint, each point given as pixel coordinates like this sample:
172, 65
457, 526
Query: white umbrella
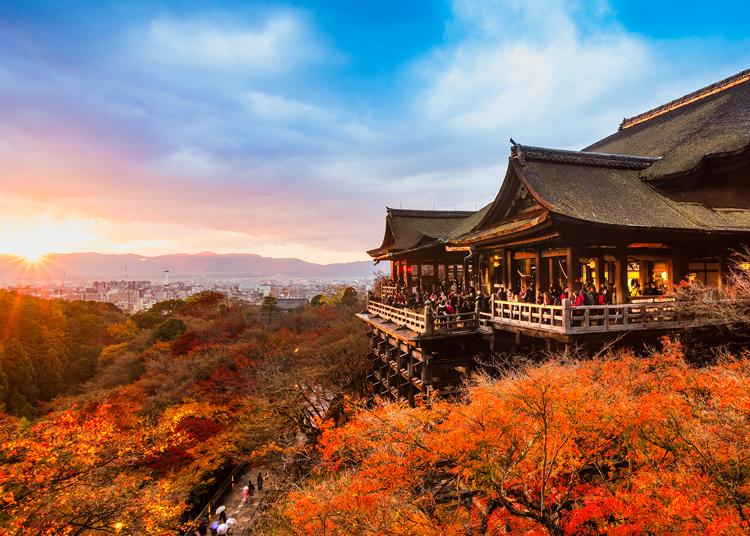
231, 522
220, 509
223, 529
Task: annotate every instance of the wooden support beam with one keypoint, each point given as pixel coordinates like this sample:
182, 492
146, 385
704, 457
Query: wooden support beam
723, 268
550, 272
538, 271
509, 270
621, 277
573, 268
599, 271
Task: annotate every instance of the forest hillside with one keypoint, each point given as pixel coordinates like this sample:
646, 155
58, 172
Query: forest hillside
150, 413
615, 445
163, 405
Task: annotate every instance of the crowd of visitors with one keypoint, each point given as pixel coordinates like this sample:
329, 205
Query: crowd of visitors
450, 298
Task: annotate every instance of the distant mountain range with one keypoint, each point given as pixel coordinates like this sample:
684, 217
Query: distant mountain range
74, 266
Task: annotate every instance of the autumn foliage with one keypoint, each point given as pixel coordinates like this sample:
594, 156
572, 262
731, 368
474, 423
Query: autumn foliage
624, 445
174, 398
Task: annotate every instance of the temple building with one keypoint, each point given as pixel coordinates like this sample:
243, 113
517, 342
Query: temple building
664, 199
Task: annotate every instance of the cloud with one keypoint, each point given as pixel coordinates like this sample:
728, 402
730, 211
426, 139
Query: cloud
272, 44
216, 132
277, 107
526, 69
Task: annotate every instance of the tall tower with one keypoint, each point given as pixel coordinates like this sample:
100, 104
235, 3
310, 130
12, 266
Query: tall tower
166, 277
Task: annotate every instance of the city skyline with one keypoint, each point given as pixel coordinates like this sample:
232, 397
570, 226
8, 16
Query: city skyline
283, 128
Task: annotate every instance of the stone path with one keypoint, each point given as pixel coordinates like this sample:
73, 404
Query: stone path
236, 508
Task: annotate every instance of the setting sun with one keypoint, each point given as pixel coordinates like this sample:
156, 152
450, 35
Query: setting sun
32, 237
31, 255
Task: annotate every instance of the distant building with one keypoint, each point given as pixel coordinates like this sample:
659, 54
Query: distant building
287, 304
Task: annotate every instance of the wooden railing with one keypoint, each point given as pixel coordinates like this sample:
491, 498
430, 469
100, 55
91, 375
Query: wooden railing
588, 318
455, 322
425, 322
562, 319
401, 317
386, 291
529, 315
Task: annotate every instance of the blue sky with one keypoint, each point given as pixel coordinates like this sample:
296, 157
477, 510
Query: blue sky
285, 128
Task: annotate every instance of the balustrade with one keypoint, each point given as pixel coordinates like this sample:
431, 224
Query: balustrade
563, 319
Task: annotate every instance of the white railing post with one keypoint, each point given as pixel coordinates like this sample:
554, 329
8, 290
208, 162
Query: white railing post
429, 325
566, 313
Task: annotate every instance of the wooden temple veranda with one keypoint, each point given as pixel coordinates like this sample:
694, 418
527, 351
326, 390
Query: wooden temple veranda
664, 199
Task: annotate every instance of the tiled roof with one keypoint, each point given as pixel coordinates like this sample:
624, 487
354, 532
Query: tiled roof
710, 122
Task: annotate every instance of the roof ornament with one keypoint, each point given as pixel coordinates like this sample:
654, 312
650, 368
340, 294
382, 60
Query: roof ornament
516, 151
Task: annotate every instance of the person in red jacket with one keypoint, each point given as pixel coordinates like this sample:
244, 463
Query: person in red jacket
579, 298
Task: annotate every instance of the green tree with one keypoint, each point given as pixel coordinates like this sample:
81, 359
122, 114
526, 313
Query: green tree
3, 384
48, 367
170, 330
349, 297
22, 388
269, 307
123, 331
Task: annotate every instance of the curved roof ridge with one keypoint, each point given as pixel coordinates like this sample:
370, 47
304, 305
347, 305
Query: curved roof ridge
408, 212
716, 87
585, 158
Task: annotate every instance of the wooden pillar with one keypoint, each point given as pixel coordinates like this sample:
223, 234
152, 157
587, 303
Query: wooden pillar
509, 270
643, 275
419, 276
538, 271
723, 268
679, 265
435, 280
407, 275
465, 274
475, 270
599, 271
410, 373
573, 268
621, 277
550, 272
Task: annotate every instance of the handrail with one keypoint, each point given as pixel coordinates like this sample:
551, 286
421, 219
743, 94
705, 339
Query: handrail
663, 312
424, 323
567, 319
388, 290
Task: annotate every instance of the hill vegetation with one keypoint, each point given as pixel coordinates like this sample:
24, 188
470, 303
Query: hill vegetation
150, 412
617, 445
49, 347
168, 402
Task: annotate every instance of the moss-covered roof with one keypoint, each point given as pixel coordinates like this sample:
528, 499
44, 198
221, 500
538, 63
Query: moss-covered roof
612, 182
407, 229
599, 189
712, 121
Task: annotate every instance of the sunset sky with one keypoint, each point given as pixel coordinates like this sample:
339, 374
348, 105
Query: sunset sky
286, 128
